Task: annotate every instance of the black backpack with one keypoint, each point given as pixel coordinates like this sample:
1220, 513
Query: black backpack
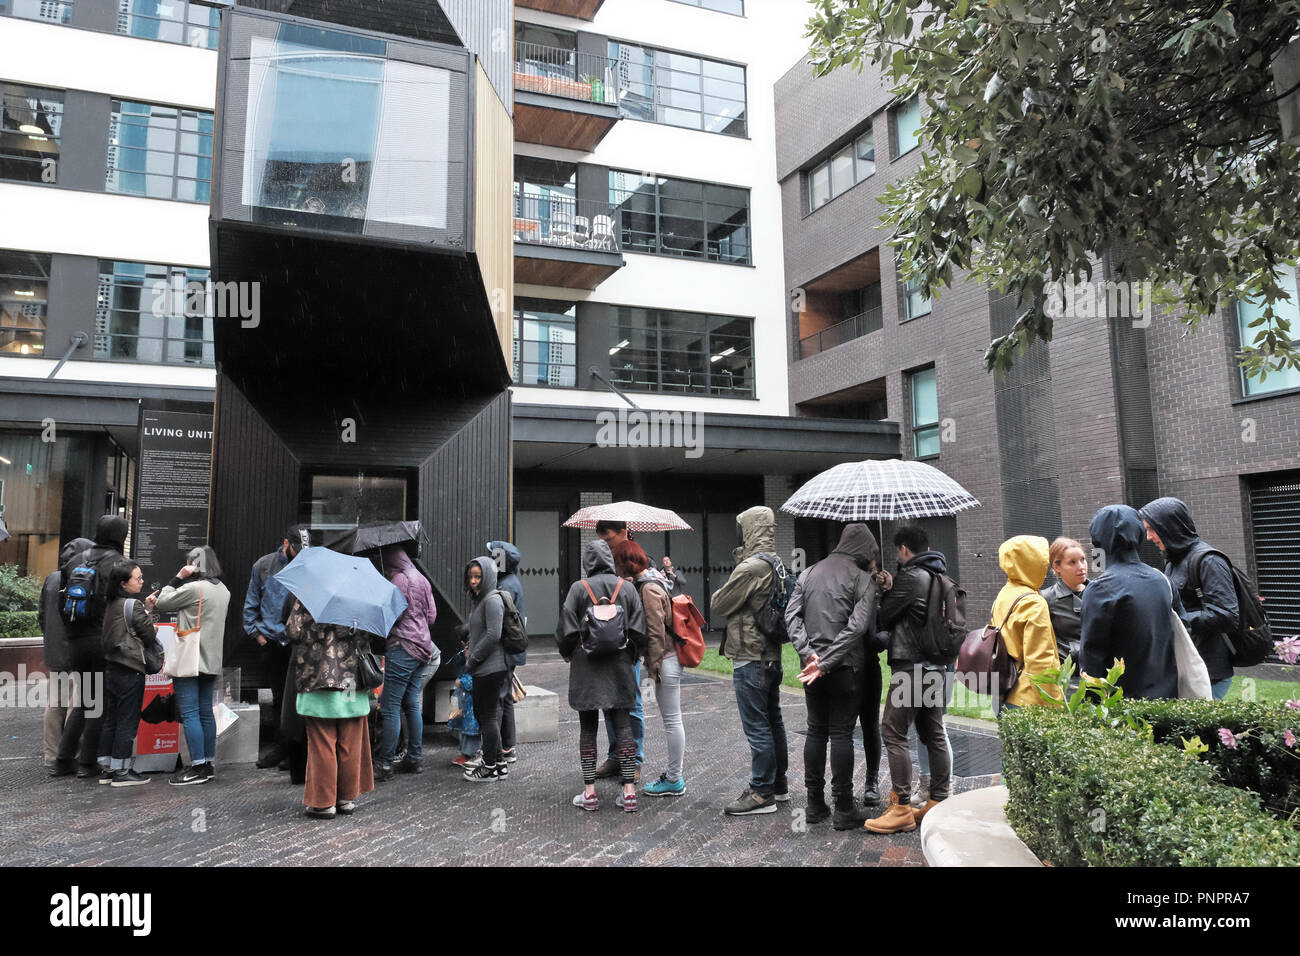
1251, 641
83, 601
945, 620
514, 636
770, 618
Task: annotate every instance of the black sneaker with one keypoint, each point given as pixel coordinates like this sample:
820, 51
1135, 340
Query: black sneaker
749, 803
272, 759
105, 775
191, 776
384, 771
128, 778
87, 771
209, 771
482, 773
408, 765
781, 792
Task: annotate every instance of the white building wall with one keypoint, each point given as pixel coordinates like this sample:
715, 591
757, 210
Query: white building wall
768, 40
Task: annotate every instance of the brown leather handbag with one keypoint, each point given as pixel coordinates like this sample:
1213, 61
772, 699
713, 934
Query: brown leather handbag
984, 663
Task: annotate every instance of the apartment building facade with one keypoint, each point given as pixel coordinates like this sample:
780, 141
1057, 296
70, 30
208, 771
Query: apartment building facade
1111, 410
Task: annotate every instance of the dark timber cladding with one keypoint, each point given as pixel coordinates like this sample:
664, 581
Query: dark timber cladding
375, 352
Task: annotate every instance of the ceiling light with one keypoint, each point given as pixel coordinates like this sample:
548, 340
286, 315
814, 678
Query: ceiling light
5, 460
26, 292
29, 128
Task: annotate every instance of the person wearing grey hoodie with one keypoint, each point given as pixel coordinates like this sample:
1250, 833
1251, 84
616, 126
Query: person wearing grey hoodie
1204, 582
828, 617
485, 658
508, 558
58, 659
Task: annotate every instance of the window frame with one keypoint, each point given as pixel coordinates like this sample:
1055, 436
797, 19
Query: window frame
188, 27
896, 138
703, 5
103, 340
618, 197
524, 305
68, 9
827, 162
55, 119
659, 61
654, 333
38, 259
177, 153
921, 430
1242, 331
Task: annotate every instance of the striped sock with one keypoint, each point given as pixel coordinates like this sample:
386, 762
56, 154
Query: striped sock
588, 758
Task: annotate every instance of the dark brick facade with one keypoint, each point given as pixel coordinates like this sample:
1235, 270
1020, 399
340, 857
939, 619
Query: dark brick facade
1195, 406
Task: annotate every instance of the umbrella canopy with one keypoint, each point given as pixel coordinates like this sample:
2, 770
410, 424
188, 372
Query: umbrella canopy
636, 516
890, 490
371, 536
343, 589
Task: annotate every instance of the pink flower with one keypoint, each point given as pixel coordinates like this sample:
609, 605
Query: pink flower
1229, 741
1288, 648
1293, 704
1288, 738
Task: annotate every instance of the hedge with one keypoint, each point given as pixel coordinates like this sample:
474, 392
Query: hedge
19, 624
1086, 795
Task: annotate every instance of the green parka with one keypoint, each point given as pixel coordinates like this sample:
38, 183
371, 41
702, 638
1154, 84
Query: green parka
747, 589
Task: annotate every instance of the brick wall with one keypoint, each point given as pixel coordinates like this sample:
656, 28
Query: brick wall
776, 489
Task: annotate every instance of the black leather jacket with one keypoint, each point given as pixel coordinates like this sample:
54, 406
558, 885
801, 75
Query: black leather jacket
1066, 607
903, 607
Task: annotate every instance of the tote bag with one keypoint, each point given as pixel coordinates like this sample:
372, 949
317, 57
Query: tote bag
182, 659
1193, 676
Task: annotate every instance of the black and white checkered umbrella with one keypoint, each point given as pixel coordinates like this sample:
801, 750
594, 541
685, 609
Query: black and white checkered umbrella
890, 490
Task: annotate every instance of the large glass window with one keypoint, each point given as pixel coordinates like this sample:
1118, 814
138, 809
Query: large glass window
906, 118
546, 201
681, 217
175, 21
31, 123
736, 7
336, 129
925, 413
47, 11
914, 299
24, 302
661, 351
153, 313
163, 152
847, 166
679, 90
546, 343
339, 502
1248, 312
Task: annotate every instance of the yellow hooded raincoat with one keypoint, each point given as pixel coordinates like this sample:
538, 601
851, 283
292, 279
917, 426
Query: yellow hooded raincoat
1028, 631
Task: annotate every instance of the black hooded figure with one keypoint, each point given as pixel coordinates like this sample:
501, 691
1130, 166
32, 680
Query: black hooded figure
829, 616
1210, 610
85, 657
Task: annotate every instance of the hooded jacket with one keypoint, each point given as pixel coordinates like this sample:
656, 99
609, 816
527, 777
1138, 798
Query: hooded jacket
746, 590
1026, 628
414, 629
833, 606
48, 615
110, 539
601, 683
1127, 611
182, 596
903, 608
486, 655
1211, 614
510, 583
658, 621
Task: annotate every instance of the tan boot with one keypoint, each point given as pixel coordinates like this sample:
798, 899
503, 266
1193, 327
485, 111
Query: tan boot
897, 818
919, 812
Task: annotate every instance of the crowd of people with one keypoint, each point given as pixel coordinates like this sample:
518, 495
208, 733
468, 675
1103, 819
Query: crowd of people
616, 628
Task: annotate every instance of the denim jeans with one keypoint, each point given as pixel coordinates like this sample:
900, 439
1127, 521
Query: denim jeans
758, 697
124, 693
401, 698
1219, 689
194, 701
637, 718
834, 702
669, 695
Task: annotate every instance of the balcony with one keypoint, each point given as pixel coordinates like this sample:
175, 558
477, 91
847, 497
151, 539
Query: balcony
569, 243
564, 98
578, 9
872, 320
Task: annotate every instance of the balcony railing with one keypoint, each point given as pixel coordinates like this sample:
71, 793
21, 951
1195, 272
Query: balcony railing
870, 321
568, 73
570, 223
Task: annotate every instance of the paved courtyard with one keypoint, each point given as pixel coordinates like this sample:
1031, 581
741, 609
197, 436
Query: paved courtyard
254, 817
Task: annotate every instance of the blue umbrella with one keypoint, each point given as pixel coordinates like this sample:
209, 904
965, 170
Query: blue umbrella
344, 590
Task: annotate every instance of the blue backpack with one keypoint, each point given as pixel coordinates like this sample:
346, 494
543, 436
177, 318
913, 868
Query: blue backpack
81, 599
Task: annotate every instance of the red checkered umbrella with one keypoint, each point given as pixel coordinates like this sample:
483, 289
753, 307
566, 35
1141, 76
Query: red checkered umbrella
636, 516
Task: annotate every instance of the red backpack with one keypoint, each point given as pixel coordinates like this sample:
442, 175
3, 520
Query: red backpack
688, 630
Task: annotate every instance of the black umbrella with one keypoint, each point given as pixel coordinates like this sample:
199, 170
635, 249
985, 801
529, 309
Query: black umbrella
373, 536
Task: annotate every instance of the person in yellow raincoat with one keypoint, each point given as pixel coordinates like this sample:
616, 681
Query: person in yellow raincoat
1027, 631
